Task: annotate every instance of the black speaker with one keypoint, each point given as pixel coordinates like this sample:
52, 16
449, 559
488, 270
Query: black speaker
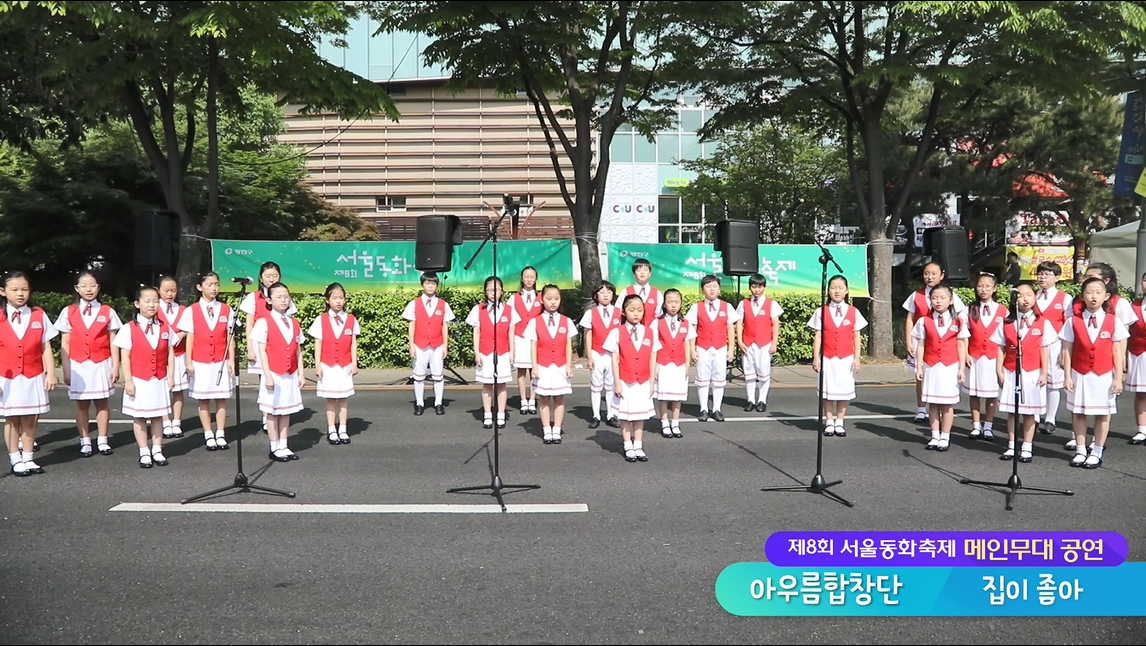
435, 240
738, 241
948, 247
156, 236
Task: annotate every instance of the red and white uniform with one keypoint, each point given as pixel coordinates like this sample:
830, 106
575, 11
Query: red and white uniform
209, 322
170, 312
493, 325
551, 332
673, 334
148, 342
635, 345
1056, 307
1033, 334
982, 320
760, 316
428, 314
843, 323
1136, 351
919, 304
91, 325
254, 305
23, 333
282, 337
337, 332
1121, 307
524, 306
1092, 361
653, 298
600, 320
937, 337
711, 320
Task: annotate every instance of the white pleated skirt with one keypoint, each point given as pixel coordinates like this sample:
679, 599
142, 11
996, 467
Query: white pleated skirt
636, 402
152, 399
1136, 373
941, 384
203, 382
485, 374
983, 378
90, 380
1033, 396
23, 396
336, 382
285, 398
551, 382
1092, 394
671, 384
182, 381
522, 353
839, 379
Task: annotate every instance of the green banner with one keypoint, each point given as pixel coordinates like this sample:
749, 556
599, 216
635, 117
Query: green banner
789, 268
308, 267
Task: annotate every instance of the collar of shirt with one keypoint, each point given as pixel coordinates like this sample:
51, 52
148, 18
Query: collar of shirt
142, 320
166, 306
1087, 315
95, 305
711, 304
206, 302
1047, 293
23, 310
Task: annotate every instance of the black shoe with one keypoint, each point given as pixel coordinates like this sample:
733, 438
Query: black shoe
333, 439
488, 424
1046, 428
440, 410
750, 407
614, 422
276, 458
761, 407
418, 410
717, 416
501, 424
703, 417
676, 432
595, 422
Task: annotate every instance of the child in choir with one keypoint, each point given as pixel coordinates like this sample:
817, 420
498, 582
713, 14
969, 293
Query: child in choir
1093, 356
1055, 307
254, 305
652, 297
1035, 334
551, 337
715, 323
335, 333
212, 350
525, 305
490, 320
429, 333
983, 318
674, 337
918, 306
634, 348
942, 337
1136, 372
91, 369
278, 340
169, 312
839, 334
148, 347
27, 370
1118, 305
597, 322
758, 333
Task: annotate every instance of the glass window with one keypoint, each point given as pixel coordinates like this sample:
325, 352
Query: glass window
625, 127
691, 120
645, 152
689, 147
668, 148
690, 211
669, 209
622, 148
691, 234
669, 234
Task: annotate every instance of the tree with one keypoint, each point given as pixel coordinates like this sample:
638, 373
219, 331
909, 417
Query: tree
842, 61
587, 68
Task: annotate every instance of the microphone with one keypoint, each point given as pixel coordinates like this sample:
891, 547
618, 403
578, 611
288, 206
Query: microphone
242, 280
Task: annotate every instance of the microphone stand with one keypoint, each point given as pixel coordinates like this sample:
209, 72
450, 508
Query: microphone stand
495, 486
819, 484
242, 483
1014, 483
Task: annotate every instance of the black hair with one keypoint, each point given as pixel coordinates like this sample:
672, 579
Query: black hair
1052, 267
270, 289
664, 301
604, 284
975, 315
330, 290
485, 287
521, 280
950, 292
4, 280
428, 277
631, 297
270, 264
847, 297
549, 287
1106, 306
642, 262
711, 278
757, 279
1108, 274
205, 275
139, 292
80, 276
1013, 310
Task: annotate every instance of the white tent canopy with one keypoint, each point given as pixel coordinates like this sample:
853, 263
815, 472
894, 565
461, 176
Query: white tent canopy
1117, 247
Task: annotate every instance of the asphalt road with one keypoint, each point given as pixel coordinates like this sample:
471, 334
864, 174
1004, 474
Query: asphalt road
638, 567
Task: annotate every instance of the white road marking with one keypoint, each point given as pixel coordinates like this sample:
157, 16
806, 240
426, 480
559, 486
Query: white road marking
303, 508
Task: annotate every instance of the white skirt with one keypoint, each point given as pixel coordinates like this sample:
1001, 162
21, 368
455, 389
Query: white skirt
551, 382
1034, 396
336, 382
672, 383
90, 380
839, 379
983, 378
485, 374
1055, 374
1136, 373
756, 363
203, 382
284, 399
152, 399
1092, 394
636, 403
941, 384
23, 395
182, 381
522, 353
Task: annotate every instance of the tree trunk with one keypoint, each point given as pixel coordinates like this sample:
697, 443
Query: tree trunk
880, 259
192, 250
1080, 257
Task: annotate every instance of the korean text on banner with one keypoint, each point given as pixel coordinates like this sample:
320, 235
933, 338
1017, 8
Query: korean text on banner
1030, 257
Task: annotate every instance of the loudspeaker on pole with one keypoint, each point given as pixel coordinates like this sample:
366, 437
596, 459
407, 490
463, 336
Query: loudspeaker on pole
739, 243
156, 236
948, 247
436, 237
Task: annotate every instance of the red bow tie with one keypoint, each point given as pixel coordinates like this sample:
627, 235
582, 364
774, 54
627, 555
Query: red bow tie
16, 316
170, 308
338, 319
88, 309
286, 321
210, 311
1093, 321
148, 330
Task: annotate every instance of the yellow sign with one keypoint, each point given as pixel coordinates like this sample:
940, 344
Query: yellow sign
677, 182
1030, 257
1141, 187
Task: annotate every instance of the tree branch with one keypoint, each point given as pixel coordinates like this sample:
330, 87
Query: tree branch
136, 110
562, 183
853, 170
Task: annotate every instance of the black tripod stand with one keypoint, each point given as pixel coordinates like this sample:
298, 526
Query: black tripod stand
819, 484
242, 483
496, 486
1014, 483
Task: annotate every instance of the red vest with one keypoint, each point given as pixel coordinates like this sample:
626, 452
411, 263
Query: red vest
551, 349
602, 328
282, 355
337, 351
147, 362
922, 304
839, 341
673, 347
1032, 347
526, 314
89, 344
210, 345
261, 309
22, 356
709, 333
1093, 356
758, 328
181, 346
636, 363
428, 328
1055, 311
1137, 342
941, 349
980, 345
650, 302
487, 330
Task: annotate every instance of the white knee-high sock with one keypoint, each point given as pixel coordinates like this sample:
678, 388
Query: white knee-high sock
439, 389
765, 386
420, 392
717, 397
595, 397
703, 391
1053, 398
751, 386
